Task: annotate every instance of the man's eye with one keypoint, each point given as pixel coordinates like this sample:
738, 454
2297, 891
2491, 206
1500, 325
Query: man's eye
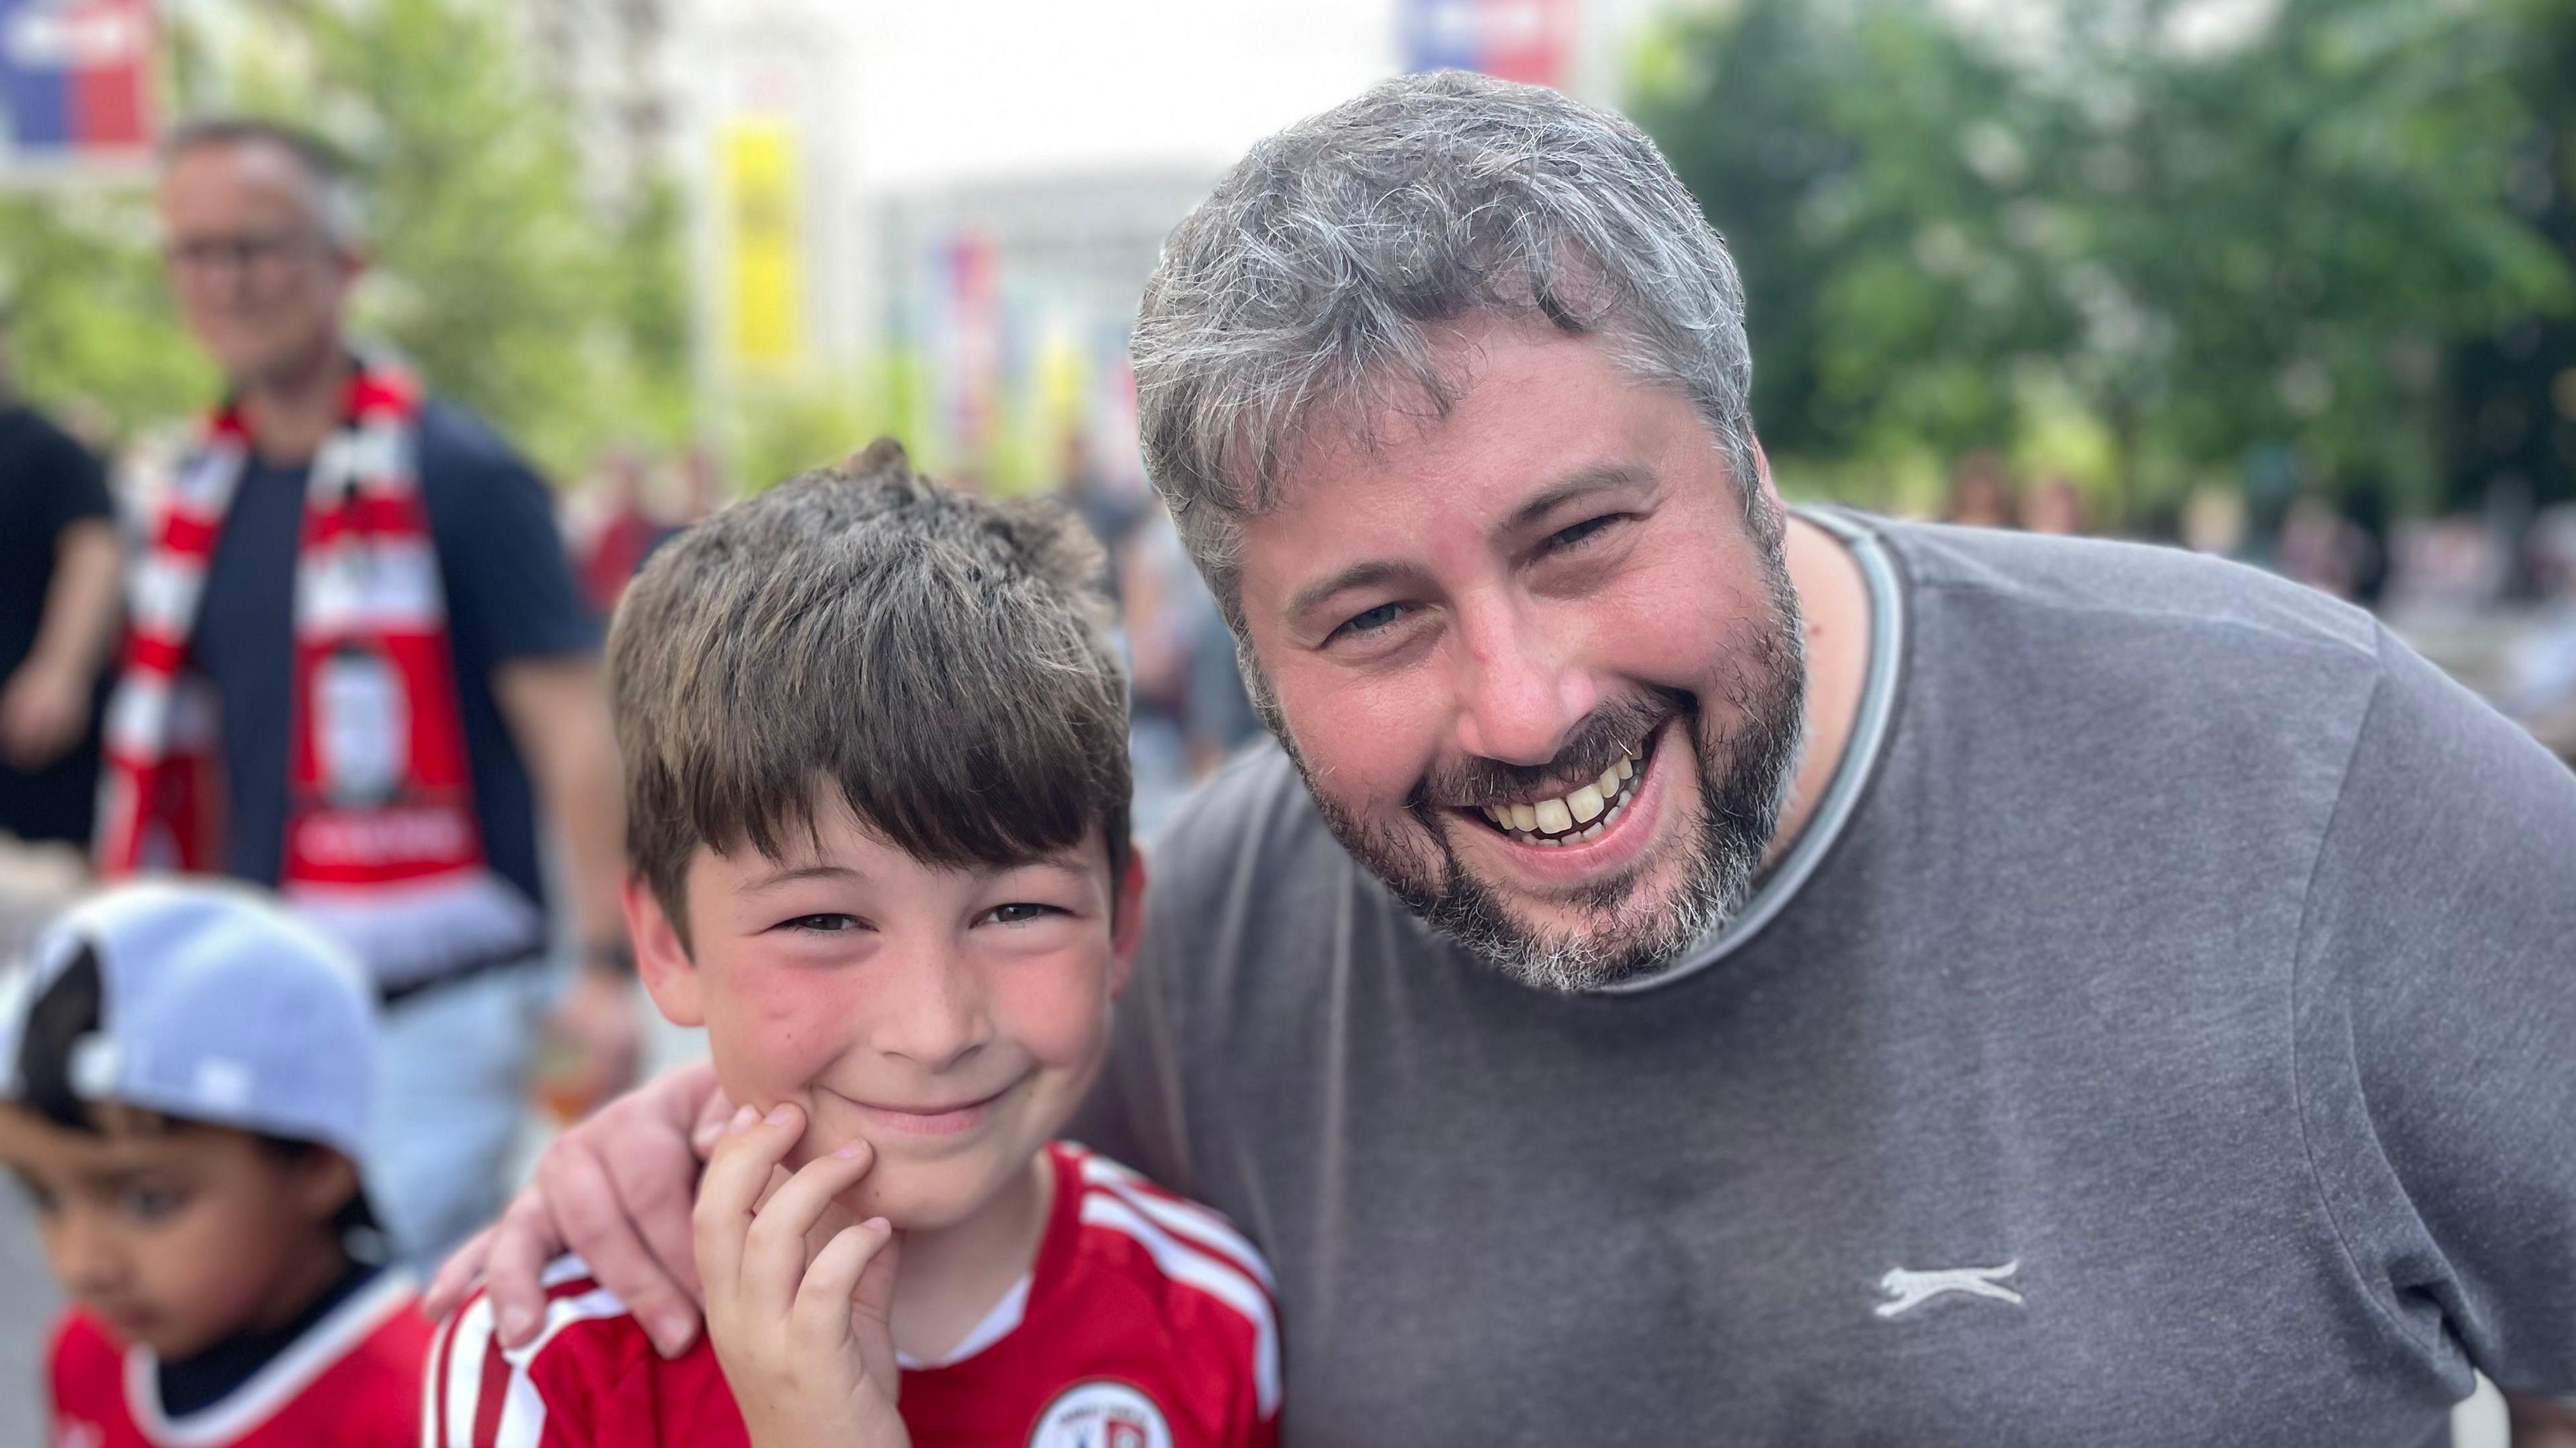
1021, 912
1372, 620
823, 924
1580, 534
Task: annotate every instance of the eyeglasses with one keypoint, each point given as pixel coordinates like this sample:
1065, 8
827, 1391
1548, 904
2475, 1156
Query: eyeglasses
199, 256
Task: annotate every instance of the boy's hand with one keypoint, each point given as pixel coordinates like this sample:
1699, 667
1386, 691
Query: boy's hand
805, 1343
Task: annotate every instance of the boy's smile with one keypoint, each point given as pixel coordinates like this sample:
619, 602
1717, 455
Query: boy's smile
951, 1018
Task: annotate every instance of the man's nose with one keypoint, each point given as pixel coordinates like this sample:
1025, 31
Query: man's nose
1518, 695
933, 1011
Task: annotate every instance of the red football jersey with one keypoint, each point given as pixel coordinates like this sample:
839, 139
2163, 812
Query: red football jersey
1146, 1322
352, 1381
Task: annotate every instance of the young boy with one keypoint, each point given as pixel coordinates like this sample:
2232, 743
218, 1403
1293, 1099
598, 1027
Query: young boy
874, 741
186, 1076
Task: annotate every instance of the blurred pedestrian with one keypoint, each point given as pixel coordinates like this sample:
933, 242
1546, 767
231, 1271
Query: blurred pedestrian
58, 609
1188, 708
2541, 688
360, 672
1981, 494
626, 533
2055, 506
1112, 513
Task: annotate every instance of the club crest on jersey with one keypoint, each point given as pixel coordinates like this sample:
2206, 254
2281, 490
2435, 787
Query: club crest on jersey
1101, 1414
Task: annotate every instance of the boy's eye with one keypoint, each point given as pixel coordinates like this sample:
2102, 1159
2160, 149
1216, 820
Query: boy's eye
150, 1201
1021, 912
828, 923
1372, 620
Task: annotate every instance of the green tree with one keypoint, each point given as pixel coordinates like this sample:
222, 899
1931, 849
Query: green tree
92, 326
2201, 248
561, 316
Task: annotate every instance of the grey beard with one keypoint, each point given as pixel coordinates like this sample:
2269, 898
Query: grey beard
1744, 780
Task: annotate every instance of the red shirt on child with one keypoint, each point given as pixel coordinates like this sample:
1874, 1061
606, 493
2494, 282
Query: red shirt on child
1146, 1322
352, 1380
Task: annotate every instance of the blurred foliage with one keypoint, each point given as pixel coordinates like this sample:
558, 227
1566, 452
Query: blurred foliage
783, 428
93, 332
2133, 252
560, 315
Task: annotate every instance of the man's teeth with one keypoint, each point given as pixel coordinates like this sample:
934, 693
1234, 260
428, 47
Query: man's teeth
1598, 800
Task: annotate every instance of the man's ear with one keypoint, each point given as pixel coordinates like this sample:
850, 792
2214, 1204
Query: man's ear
661, 959
1127, 933
1762, 466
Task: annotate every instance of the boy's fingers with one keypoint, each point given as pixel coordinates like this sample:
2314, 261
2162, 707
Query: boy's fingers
821, 1313
457, 1276
734, 1180
773, 1254
874, 1299
714, 1113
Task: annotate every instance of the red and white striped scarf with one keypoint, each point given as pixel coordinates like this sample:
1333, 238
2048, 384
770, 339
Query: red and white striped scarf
382, 847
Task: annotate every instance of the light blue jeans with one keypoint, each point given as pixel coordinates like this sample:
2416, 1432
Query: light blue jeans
451, 1093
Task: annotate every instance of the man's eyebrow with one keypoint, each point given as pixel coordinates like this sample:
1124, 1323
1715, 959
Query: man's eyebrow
1359, 575
1599, 477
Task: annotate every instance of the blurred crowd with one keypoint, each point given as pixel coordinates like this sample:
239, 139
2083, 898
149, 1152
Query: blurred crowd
2490, 597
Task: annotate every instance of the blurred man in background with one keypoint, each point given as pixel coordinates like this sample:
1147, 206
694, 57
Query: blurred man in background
58, 611
361, 672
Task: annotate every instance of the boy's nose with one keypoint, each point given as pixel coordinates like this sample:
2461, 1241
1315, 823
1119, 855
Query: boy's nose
933, 1016
87, 1256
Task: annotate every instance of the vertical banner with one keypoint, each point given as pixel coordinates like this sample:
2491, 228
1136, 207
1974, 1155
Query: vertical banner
971, 288
75, 81
1524, 40
762, 207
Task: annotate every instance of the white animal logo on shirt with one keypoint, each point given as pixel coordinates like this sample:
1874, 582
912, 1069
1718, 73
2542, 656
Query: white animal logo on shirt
1907, 1289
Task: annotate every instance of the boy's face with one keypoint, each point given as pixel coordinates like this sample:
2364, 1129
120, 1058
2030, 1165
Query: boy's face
952, 1019
175, 1237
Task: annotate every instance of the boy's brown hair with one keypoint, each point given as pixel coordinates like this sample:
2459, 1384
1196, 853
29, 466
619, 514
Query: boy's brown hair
942, 661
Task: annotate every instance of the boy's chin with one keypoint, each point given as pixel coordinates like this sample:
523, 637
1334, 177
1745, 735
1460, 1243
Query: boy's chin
923, 1197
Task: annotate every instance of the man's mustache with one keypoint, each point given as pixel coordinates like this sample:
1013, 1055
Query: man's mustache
1610, 733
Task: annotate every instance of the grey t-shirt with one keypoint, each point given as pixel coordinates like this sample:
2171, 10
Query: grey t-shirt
2173, 1042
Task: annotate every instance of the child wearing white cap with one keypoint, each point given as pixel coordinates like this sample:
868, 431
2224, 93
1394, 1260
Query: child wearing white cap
183, 1090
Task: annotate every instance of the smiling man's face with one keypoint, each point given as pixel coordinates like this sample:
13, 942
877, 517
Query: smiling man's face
1540, 673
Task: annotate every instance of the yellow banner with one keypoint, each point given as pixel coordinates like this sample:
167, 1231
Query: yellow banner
764, 241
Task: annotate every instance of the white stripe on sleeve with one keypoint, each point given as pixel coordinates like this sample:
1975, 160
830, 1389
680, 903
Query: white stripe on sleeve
1186, 1219
1208, 1273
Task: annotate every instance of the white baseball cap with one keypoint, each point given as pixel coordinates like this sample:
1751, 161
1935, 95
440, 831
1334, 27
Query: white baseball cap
214, 1006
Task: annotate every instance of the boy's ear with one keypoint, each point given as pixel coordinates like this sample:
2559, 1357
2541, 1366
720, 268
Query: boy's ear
324, 1182
1128, 933
660, 959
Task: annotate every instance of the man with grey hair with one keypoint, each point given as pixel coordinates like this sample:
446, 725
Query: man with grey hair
1695, 972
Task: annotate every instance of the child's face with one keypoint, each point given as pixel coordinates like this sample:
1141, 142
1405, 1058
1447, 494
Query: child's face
174, 1236
951, 1018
